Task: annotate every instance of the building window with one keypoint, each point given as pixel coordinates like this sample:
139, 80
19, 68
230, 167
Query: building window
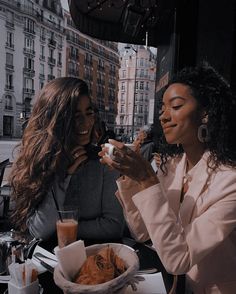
41, 84
8, 102
122, 120
41, 69
135, 97
123, 73
141, 97
29, 63
140, 108
147, 85
52, 35
74, 53
88, 59
9, 59
59, 62
87, 44
123, 86
42, 34
10, 40
29, 43
10, 17
122, 109
27, 105
51, 53
141, 85
29, 83
122, 97
50, 70
59, 38
42, 50
29, 25
141, 62
9, 81
142, 73
136, 85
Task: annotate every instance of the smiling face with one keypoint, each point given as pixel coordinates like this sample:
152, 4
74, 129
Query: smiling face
85, 119
180, 115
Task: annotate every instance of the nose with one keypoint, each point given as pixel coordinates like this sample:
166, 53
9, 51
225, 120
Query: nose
165, 116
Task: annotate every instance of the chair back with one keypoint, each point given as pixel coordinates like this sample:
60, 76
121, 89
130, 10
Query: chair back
3, 165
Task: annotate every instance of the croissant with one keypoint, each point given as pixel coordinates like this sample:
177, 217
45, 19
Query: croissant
100, 268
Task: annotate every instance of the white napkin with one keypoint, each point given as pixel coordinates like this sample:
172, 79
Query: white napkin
153, 284
40, 268
71, 258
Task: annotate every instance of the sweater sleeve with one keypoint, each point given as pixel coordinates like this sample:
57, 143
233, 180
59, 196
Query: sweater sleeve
41, 222
126, 189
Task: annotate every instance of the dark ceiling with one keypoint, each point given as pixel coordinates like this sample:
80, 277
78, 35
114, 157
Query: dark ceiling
125, 21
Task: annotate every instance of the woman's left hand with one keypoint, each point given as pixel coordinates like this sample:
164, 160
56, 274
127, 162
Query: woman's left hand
130, 163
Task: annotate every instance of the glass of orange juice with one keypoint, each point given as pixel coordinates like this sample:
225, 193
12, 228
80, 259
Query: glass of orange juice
67, 227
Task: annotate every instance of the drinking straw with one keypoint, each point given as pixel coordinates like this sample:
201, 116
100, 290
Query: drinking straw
57, 206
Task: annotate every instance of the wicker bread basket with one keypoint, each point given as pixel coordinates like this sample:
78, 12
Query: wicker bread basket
117, 285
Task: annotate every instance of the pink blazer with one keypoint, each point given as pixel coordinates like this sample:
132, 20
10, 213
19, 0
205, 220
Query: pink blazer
196, 238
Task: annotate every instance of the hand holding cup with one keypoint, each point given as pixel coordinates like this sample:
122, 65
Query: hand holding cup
128, 163
111, 150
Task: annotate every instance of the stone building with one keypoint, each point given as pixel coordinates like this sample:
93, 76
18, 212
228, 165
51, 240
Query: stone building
31, 50
40, 43
97, 62
137, 76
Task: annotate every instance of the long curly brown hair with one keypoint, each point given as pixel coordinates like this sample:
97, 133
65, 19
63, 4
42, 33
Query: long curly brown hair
45, 149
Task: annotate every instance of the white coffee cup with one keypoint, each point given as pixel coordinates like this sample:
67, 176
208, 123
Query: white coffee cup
32, 288
110, 152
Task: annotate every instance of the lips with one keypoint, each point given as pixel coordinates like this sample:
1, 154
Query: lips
166, 128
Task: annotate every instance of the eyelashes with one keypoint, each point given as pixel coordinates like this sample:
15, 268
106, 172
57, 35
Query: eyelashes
161, 111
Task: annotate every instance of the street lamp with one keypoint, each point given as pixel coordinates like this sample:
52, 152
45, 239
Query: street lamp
127, 47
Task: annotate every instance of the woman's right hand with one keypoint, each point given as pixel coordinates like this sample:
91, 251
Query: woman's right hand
80, 155
130, 164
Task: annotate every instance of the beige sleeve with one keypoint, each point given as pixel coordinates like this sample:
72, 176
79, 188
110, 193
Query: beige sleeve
126, 189
180, 248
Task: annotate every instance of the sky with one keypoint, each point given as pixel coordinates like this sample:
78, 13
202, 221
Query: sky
64, 4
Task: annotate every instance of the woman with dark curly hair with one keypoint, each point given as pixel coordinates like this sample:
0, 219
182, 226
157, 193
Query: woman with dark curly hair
57, 153
189, 209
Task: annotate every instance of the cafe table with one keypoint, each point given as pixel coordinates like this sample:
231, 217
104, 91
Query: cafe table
148, 259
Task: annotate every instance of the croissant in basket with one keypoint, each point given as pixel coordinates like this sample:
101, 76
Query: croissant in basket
100, 268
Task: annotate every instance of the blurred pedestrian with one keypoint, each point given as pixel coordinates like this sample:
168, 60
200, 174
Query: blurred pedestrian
145, 141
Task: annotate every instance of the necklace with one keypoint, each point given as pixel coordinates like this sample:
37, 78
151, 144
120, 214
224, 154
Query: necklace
186, 178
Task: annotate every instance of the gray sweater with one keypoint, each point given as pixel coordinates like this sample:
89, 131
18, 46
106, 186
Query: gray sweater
92, 191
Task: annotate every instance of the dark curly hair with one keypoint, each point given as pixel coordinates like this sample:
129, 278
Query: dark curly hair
213, 93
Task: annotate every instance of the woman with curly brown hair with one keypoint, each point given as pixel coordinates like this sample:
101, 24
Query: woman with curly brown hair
57, 153
188, 209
